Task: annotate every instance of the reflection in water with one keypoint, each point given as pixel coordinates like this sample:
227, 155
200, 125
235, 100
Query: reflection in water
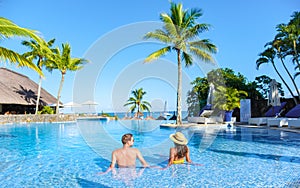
127, 175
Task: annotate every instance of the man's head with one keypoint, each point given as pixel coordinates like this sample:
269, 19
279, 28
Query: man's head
127, 138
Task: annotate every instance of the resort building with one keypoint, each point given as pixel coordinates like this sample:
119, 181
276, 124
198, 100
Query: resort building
18, 94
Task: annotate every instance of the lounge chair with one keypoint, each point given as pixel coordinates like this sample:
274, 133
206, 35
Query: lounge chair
294, 123
205, 116
291, 116
271, 113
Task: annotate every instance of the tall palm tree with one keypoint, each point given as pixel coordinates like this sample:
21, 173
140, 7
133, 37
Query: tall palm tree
278, 44
8, 30
268, 56
137, 102
63, 62
179, 33
42, 53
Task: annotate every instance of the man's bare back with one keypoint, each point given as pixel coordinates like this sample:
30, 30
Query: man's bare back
126, 156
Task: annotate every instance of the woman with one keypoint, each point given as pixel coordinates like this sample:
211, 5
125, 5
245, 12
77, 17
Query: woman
180, 151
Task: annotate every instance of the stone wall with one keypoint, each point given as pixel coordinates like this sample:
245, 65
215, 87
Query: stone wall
37, 118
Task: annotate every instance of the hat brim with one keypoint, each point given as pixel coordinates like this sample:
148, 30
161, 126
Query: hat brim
184, 142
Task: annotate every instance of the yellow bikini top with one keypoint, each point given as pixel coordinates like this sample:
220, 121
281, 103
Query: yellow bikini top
181, 161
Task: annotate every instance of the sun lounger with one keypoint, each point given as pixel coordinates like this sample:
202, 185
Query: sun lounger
206, 117
294, 123
291, 116
277, 122
270, 114
205, 120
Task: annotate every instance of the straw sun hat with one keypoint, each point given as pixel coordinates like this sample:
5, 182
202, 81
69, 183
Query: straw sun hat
179, 138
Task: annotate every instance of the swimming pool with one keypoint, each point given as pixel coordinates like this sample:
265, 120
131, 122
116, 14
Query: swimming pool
71, 155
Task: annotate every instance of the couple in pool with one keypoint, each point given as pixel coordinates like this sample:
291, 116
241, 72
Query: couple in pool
126, 156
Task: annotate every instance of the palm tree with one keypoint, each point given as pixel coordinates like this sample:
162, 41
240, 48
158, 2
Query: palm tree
278, 44
137, 102
8, 30
268, 56
63, 62
42, 53
179, 31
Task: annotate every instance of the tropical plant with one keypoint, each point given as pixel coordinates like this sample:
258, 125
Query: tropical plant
226, 98
63, 62
179, 33
42, 53
46, 110
8, 30
137, 102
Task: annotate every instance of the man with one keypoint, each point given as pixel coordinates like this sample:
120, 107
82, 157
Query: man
126, 156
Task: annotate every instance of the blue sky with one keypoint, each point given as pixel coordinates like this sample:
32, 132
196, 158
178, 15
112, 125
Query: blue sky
240, 28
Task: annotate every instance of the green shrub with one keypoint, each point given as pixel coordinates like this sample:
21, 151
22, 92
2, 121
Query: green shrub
46, 110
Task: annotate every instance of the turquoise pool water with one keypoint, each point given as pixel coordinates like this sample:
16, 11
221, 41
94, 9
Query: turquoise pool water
71, 155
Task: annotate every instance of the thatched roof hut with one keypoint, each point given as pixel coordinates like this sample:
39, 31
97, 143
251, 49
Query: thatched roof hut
18, 92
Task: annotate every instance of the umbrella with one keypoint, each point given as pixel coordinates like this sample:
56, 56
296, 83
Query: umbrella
89, 102
210, 96
54, 105
71, 104
273, 98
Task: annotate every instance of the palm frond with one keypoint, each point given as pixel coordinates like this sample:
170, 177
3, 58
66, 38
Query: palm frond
205, 45
8, 29
13, 57
187, 59
169, 26
202, 55
296, 74
260, 61
158, 53
159, 35
194, 31
190, 17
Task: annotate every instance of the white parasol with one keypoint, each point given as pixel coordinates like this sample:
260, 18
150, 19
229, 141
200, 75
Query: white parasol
273, 98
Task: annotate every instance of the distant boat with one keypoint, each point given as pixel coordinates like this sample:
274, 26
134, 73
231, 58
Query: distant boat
166, 114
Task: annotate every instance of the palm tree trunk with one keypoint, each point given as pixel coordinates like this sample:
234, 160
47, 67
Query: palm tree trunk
178, 119
284, 82
59, 91
294, 83
38, 96
138, 111
39, 88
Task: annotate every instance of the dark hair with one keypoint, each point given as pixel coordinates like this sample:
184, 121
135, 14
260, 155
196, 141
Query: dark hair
181, 150
126, 137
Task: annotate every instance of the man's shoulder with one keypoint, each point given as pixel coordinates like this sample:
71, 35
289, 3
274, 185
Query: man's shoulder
117, 150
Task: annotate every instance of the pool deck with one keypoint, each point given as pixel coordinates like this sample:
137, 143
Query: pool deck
187, 125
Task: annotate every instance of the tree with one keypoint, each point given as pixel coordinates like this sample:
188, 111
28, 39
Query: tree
280, 46
137, 102
262, 85
179, 33
200, 89
63, 62
8, 30
42, 53
224, 77
268, 56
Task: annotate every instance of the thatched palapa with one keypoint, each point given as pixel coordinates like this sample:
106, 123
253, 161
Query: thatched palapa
19, 94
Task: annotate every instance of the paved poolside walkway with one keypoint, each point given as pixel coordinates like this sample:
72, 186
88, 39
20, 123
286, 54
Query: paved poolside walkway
186, 125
